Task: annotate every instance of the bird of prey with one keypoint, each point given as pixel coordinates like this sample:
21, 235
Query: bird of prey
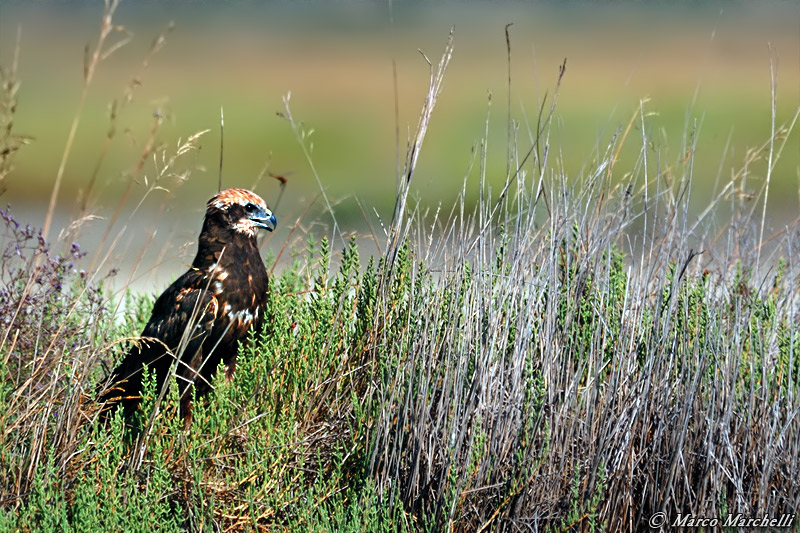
198, 322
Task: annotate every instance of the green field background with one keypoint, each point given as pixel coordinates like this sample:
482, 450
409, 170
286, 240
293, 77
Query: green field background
703, 69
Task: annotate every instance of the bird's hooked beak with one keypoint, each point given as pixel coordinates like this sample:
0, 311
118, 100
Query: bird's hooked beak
263, 218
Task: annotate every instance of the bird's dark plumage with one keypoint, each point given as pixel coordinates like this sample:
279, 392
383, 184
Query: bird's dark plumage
198, 321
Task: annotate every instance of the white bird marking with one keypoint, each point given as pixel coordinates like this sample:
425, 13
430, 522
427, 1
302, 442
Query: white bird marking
242, 317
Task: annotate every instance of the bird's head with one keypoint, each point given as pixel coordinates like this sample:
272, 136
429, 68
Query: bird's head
241, 211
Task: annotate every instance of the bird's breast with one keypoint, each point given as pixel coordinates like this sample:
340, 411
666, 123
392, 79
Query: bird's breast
239, 298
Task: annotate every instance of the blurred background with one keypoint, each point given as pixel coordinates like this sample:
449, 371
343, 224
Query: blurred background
701, 67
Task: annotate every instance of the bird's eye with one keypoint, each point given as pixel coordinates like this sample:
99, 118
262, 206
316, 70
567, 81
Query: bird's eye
250, 208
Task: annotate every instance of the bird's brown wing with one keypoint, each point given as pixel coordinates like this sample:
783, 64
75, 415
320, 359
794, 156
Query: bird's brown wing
180, 326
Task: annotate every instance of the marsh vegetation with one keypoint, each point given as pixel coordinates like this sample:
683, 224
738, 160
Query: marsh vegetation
568, 352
